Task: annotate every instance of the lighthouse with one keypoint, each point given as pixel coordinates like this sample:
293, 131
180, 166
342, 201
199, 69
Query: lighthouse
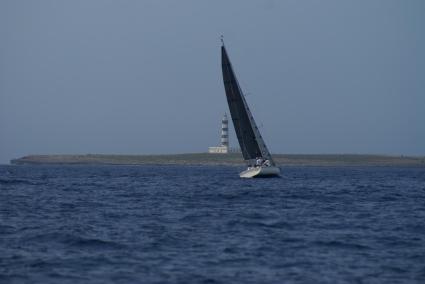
224, 140
225, 132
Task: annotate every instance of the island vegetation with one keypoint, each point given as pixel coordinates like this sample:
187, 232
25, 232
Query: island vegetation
222, 159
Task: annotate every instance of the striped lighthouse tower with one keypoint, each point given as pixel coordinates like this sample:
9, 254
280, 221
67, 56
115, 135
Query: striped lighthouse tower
224, 138
225, 132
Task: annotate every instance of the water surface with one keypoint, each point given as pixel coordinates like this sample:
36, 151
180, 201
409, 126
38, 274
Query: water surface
203, 224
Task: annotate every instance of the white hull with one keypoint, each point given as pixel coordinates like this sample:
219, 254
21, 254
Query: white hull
260, 172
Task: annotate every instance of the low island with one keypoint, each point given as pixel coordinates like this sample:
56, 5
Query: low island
221, 159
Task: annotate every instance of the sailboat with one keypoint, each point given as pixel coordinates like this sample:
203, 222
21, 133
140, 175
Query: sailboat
254, 150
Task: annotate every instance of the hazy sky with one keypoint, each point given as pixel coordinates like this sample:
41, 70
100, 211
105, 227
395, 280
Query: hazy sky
141, 77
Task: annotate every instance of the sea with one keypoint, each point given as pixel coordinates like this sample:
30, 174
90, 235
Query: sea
204, 224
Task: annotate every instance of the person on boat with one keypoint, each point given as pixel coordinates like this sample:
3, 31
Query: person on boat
266, 163
257, 162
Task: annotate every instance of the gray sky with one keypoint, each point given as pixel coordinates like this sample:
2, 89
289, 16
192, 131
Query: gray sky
141, 77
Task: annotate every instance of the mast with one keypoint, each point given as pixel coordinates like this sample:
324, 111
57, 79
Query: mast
249, 137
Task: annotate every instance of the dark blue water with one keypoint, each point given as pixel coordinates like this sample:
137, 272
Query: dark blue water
173, 224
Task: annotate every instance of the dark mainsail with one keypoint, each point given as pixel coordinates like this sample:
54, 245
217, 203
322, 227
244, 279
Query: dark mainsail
250, 140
